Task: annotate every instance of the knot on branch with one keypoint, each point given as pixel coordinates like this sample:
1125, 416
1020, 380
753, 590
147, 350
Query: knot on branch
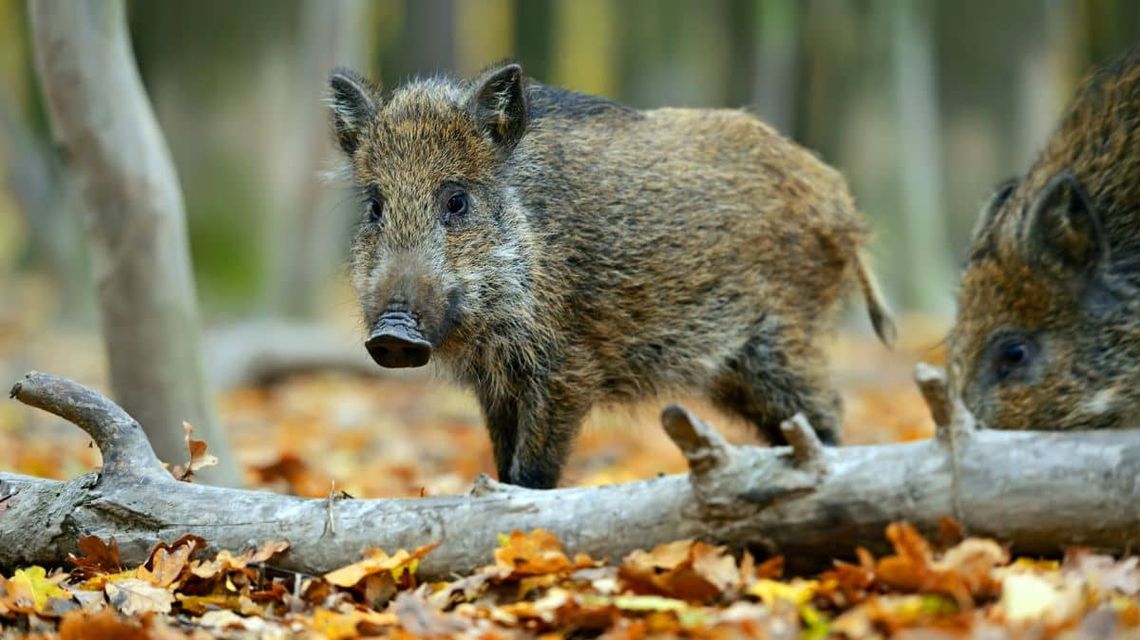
126, 452
704, 448
952, 421
807, 450
485, 485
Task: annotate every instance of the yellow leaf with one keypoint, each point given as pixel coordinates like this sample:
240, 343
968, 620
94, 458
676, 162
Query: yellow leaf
333, 625
377, 561
96, 583
533, 553
637, 603
202, 604
1034, 564
816, 625
797, 592
32, 585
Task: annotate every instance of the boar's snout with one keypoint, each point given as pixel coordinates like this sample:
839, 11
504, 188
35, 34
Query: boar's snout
396, 341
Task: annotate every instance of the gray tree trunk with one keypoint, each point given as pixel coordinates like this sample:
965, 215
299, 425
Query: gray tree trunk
136, 226
1044, 69
774, 88
920, 163
1039, 491
56, 235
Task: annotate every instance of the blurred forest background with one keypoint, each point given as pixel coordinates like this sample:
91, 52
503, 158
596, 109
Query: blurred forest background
924, 105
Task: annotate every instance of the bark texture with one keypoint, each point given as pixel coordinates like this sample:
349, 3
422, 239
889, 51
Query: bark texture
1039, 491
136, 226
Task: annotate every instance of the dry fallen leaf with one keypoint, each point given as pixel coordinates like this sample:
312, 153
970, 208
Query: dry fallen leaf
796, 592
166, 565
100, 625
297, 476
30, 589
420, 620
1105, 572
963, 572
96, 557
375, 561
199, 458
135, 597
527, 554
689, 570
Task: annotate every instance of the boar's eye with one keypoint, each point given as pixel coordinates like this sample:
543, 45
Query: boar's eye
454, 207
375, 205
1012, 356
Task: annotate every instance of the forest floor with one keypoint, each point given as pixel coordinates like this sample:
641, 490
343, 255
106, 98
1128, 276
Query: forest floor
412, 436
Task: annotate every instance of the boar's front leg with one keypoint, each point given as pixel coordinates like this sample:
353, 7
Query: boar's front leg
502, 418
549, 418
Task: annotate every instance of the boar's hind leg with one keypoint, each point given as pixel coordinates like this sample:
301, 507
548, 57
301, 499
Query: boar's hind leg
777, 374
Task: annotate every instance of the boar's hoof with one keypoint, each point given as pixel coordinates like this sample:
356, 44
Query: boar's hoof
396, 342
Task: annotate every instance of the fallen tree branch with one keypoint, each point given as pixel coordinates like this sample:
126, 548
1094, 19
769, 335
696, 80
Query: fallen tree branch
1038, 491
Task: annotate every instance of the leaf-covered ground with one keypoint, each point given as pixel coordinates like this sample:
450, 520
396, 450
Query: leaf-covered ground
311, 433
532, 587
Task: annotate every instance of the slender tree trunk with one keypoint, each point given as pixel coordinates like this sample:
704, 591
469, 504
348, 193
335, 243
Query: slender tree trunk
774, 88
306, 231
431, 26
927, 261
33, 179
584, 46
484, 34
1046, 70
136, 223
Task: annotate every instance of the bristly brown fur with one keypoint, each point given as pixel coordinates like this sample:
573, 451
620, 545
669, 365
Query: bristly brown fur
608, 254
1056, 261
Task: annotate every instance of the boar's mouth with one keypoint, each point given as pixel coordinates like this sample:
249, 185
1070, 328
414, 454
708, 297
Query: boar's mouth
396, 341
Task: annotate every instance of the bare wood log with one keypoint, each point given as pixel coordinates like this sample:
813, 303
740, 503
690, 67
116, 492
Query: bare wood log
1038, 491
136, 226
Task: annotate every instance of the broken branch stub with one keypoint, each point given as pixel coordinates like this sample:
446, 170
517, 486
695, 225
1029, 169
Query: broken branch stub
121, 440
807, 450
936, 392
952, 420
702, 445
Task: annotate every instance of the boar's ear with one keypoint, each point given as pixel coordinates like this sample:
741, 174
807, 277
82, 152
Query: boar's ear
1064, 230
353, 102
499, 105
1000, 196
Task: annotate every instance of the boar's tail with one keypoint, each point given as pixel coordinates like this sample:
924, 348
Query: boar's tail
881, 318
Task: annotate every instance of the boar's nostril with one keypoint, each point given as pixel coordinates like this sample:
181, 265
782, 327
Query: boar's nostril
395, 351
396, 341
